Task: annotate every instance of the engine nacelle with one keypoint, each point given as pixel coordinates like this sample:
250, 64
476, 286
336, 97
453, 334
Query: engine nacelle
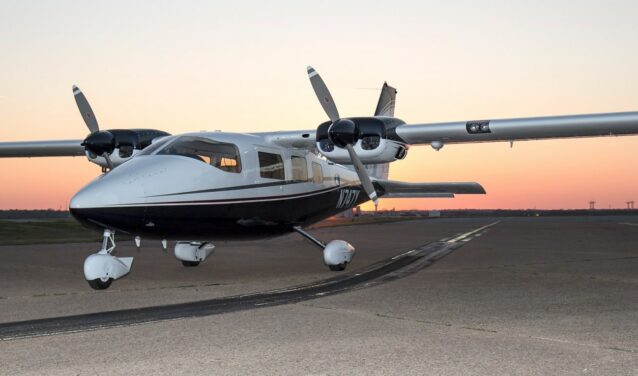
120, 144
376, 141
338, 252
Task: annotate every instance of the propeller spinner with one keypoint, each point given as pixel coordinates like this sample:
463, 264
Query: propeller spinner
342, 132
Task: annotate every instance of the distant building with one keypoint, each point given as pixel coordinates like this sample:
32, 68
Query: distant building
346, 214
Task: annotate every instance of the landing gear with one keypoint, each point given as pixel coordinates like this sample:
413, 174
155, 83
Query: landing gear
99, 284
101, 268
338, 268
192, 253
337, 254
190, 264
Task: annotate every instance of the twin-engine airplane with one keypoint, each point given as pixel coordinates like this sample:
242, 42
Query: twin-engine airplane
204, 186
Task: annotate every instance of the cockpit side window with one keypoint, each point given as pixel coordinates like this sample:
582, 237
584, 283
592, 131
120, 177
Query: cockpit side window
221, 155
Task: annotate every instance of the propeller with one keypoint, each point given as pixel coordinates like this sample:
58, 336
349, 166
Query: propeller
85, 110
98, 142
342, 132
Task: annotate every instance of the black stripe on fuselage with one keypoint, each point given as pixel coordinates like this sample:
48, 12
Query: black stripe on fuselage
231, 220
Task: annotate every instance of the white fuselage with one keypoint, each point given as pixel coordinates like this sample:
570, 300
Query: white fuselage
217, 184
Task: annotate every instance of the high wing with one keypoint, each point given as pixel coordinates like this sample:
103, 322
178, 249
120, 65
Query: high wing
61, 148
614, 124
305, 139
532, 128
398, 189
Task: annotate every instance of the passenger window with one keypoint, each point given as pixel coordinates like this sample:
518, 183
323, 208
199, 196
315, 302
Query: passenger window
217, 154
317, 173
271, 166
299, 169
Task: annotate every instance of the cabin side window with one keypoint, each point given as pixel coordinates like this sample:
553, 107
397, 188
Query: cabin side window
271, 166
317, 173
299, 169
220, 155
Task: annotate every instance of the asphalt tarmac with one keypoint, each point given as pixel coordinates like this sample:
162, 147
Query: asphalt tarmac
532, 296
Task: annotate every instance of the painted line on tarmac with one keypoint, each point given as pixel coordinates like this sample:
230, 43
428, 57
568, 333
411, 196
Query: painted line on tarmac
628, 223
472, 233
381, 272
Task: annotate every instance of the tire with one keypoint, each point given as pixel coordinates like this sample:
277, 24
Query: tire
338, 268
98, 284
190, 264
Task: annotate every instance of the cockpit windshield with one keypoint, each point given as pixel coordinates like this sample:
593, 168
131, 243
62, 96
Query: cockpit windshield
152, 148
221, 155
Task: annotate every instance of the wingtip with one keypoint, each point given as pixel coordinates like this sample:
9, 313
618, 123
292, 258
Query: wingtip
480, 189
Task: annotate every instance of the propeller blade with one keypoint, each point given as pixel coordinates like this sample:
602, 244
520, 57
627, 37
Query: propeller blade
323, 94
363, 174
85, 110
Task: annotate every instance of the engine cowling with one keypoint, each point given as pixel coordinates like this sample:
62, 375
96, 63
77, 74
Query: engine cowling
373, 139
120, 144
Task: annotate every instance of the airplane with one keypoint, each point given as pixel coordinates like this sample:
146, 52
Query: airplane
199, 187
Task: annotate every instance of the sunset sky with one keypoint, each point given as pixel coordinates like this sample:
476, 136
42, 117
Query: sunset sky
240, 67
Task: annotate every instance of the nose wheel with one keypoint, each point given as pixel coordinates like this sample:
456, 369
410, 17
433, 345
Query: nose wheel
102, 268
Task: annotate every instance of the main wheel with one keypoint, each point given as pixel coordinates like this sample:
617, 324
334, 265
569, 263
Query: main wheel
190, 263
338, 268
99, 284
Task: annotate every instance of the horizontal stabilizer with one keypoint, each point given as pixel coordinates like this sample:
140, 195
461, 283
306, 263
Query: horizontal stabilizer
398, 189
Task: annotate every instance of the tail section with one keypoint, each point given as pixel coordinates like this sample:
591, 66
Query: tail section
378, 171
385, 107
387, 99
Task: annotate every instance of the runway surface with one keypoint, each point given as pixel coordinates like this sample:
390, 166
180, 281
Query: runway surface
527, 296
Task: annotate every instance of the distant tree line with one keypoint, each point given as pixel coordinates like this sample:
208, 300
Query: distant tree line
35, 214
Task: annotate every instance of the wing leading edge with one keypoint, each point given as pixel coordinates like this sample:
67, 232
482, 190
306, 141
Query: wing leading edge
614, 124
60, 148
